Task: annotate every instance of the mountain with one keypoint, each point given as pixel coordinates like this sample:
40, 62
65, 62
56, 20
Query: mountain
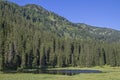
52, 22
33, 37
65, 28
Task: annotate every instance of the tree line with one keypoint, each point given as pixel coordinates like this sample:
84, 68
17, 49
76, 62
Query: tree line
28, 47
23, 44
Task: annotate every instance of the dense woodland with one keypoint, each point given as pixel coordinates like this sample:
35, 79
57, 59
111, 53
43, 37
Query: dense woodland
29, 41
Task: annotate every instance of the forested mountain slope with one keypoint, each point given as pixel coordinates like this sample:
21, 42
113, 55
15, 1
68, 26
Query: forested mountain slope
32, 37
52, 22
61, 26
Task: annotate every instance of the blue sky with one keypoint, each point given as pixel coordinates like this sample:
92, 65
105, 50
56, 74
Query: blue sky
102, 13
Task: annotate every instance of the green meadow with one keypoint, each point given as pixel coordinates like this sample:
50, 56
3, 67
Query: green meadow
109, 73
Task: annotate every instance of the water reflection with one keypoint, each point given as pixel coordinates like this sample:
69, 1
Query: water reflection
66, 72
62, 72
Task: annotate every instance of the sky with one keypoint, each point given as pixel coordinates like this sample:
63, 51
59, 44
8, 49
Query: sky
101, 13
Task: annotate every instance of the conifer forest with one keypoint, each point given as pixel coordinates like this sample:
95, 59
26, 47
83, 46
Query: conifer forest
33, 37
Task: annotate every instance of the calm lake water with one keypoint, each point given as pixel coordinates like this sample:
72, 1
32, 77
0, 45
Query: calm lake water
61, 72
67, 72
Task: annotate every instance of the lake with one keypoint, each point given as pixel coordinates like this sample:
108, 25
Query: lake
66, 72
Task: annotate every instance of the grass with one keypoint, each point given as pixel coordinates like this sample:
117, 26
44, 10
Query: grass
109, 73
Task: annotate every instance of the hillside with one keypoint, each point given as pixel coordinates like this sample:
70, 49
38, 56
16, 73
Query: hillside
63, 27
32, 37
52, 22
